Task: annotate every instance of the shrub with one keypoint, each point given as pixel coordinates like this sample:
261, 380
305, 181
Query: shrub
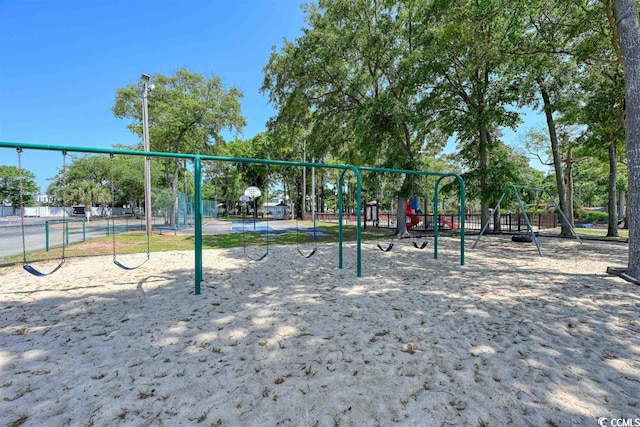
591, 216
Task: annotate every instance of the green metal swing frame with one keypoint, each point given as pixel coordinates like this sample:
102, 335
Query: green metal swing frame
197, 161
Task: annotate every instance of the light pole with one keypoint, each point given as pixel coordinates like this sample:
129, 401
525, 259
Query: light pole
147, 162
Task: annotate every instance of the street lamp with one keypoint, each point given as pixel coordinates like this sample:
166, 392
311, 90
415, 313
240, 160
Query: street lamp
147, 163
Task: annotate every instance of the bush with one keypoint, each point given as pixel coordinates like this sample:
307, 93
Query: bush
591, 216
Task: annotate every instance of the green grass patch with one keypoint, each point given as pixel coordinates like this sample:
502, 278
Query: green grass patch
593, 232
136, 242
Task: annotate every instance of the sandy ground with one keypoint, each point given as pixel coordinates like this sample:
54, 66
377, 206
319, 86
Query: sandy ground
509, 338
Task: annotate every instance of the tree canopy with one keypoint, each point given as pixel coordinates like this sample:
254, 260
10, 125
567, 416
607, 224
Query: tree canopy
187, 113
381, 83
10, 177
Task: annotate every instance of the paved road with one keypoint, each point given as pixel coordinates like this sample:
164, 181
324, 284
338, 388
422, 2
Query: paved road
35, 235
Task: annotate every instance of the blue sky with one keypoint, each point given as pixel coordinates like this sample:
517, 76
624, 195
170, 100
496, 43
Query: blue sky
62, 61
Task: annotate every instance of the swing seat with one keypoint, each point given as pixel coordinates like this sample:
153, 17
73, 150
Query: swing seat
387, 249
261, 258
122, 266
522, 239
32, 270
424, 245
313, 252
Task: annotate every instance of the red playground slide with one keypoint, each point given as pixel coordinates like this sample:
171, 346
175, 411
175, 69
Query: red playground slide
412, 219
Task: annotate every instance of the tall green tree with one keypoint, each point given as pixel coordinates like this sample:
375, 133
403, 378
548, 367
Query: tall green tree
352, 82
474, 84
546, 82
629, 30
127, 173
88, 193
10, 177
570, 59
566, 151
187, 113
597, 48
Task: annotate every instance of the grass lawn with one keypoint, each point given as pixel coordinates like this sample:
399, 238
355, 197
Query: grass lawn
593, 232
136, 242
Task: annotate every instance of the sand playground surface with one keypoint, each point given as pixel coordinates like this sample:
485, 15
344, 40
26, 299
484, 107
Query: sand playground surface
508, 338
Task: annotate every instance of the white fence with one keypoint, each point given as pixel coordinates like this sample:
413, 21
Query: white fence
57, 211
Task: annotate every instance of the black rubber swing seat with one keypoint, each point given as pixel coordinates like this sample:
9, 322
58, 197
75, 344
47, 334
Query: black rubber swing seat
260, 258
522, 239
313, 252
424, 245
124, 267
35, 272
387, 249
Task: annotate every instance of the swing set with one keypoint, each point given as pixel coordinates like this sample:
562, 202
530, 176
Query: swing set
247, 198
412, 219
113, 226
531, 235
25, 264
252, 194
197, 180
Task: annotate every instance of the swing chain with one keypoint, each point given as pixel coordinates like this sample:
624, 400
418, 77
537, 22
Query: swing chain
64, 201
113, 204
24, 245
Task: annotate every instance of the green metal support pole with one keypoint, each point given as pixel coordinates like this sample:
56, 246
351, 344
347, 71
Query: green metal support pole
197, 185
442, 175
462, 212
358, 219
46, 235
340, 216
84, 230
436, 221
462, 217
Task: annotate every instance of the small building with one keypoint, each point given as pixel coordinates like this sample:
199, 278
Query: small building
278, 208
43, 199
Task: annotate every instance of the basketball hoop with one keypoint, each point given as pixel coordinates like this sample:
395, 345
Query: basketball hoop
252, 192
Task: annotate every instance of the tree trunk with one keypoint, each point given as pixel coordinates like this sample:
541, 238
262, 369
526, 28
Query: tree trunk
174, 194
557, 161
629, 30
622, 207
483, 162
497, 225
401, 215
300, 198
167, 162
612, 224
569, 180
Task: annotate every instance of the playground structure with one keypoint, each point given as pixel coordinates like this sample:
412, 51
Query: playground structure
412, 218
197, 165
532, 234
